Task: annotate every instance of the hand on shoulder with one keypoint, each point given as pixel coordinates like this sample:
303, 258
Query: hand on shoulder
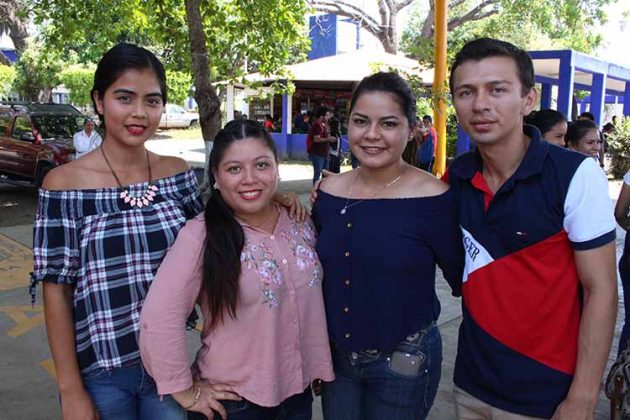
337, 184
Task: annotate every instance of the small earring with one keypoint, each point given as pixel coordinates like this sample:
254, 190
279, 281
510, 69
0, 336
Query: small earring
215, 186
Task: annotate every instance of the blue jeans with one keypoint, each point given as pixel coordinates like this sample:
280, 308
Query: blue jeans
129, 393
296, 407
375, 385
319, 163
624, 272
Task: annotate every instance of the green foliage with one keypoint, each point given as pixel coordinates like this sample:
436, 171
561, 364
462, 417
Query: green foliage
179, 84
79, 80
7, 76
241, 35
529, 24
619, 146
37, 73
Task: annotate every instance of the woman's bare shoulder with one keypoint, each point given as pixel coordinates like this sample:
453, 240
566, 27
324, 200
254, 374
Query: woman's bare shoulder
71, 176
423, 184
167, 166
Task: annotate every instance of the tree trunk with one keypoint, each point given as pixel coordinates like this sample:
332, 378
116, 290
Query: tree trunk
205, 95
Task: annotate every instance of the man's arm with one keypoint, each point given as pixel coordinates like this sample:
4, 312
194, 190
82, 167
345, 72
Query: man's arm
597, 274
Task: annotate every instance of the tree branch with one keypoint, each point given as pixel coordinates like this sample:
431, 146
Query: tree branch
454, 3
400, 5
341, 8
429, 21
476, 13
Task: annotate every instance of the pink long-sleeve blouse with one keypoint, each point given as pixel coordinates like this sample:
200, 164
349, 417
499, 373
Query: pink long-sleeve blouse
278, 342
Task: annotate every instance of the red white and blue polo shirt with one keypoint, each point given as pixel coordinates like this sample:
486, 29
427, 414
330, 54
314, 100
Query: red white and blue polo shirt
518, 340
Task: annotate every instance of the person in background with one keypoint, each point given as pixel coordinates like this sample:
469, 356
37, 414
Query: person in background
305, 126
318, 141
622, 211
588, 116
552, 125
268, 123
335, 147
298, 120
382, 229
258, 280
583, 136
86, 140
427, 144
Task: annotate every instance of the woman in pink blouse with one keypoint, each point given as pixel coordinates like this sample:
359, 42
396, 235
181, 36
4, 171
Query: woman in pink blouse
256, 276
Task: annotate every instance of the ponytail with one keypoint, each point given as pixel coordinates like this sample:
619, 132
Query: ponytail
221, 257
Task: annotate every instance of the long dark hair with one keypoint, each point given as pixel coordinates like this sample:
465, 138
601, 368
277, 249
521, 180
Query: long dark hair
224, 235
118, 60
545, 119
577, 130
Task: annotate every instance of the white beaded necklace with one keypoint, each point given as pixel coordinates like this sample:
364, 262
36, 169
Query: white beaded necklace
135, 200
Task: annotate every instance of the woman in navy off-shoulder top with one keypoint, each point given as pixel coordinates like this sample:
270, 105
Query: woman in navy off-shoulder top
382, 229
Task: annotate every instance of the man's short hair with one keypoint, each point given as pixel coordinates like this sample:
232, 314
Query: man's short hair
427, 118
482, 48
587, 116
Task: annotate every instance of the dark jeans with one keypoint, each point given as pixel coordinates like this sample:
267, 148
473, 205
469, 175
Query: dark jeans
374, 385
319, 163
296, 407
129, 393
624, 272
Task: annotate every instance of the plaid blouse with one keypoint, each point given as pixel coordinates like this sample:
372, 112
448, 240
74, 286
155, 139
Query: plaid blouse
109, 251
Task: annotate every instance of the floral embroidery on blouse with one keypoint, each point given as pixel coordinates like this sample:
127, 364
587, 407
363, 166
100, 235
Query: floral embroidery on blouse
302, 242
261, 259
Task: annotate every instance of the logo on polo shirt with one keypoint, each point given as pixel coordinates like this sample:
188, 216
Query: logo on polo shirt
476, 255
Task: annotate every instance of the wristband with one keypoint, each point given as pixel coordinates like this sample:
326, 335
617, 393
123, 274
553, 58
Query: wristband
195, 400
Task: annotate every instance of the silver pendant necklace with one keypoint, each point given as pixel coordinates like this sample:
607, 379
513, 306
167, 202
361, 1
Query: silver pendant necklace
389, 184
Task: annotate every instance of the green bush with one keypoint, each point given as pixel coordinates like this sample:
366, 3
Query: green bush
619, 147
79, 80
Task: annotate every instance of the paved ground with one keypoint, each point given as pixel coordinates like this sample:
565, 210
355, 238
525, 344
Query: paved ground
27, 388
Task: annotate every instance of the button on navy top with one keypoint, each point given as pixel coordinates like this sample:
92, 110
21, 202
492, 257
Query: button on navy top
379, 265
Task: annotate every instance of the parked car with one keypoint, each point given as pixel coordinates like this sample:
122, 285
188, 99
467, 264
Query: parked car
174, 116
34, 138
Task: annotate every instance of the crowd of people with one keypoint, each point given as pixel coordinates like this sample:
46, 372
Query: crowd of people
582, 135
343, 303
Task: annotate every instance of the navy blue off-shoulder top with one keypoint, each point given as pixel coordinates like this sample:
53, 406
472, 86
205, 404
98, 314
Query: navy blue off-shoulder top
379, 263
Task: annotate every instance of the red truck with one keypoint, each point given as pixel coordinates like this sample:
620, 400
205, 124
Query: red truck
34, 138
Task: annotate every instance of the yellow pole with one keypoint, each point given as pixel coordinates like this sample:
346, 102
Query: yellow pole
439, 86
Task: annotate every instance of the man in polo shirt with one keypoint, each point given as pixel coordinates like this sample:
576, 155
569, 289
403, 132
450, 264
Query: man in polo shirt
539, 293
